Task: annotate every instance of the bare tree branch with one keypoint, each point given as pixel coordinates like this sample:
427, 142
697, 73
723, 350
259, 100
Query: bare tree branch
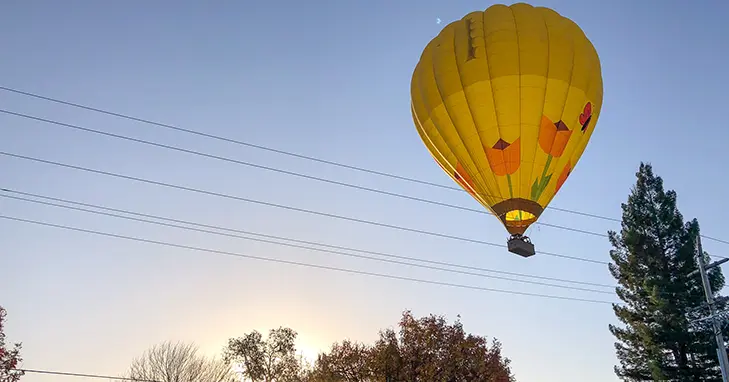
179, 362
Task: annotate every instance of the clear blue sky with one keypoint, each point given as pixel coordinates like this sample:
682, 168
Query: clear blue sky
327, 79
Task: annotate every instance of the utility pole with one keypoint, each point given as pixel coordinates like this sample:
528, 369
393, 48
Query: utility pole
713, 316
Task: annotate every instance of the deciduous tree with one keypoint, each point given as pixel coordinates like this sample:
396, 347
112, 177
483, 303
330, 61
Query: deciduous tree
270, 360
425, 349
178, 362
9, 357
346, 362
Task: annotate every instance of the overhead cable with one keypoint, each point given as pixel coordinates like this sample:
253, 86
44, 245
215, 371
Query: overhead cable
291, 208
303, 264
282, 171
339, 253
84, 375
292, 154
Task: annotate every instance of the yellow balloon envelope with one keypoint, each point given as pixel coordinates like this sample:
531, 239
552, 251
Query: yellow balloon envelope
506, 100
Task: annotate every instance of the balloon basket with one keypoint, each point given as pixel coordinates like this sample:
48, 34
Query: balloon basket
521, 245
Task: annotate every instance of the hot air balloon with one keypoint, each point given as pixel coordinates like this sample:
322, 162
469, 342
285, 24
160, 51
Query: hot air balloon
505, 100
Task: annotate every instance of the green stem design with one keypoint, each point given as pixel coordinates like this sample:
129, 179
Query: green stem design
511, 191
546, 166
541, 184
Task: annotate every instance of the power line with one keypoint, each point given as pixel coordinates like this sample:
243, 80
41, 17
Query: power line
229, 140
319, 266
288, 153
715, 239
292, 154
274, 169
267, 148
67, 374
340, 253
291, 208
338, 247
302, 241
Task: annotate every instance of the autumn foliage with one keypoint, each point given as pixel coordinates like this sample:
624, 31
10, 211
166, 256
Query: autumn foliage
425, 349
9, 358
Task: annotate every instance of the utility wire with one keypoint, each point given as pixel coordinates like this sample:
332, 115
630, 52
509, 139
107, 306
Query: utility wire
291, 208
67, 374
339, 253
229, 140
266, 148
274, 169
288, 153
338, 247
303, 264
302, 241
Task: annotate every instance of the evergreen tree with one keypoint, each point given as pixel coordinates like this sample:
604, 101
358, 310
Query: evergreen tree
652, 257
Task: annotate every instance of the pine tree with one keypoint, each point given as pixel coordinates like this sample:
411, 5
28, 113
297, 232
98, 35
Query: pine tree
652, 257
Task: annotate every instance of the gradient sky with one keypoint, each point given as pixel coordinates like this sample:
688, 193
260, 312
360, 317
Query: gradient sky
328, 79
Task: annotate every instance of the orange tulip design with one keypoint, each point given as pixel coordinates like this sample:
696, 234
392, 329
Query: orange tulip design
464, 179
553, 137
504, 158
563, 176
